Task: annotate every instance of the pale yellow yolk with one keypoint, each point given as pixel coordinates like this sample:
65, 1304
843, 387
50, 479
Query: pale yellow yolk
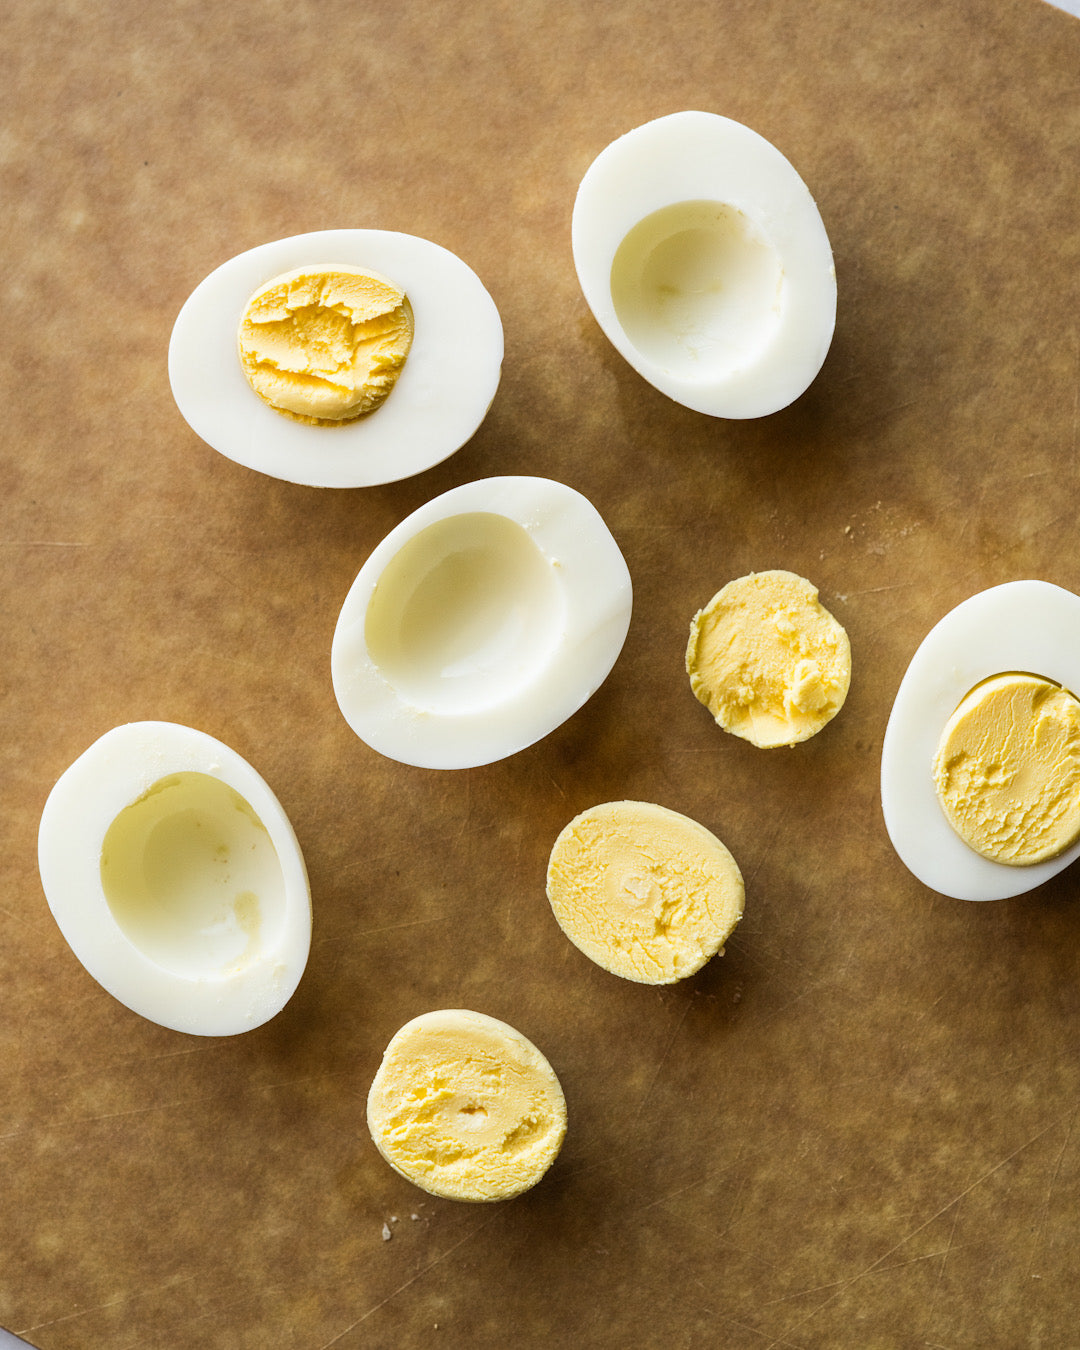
769, 662
465, 1107
1007, 769
326, 343
644, 892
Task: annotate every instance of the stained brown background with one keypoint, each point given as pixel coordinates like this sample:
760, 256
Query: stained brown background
857, 1129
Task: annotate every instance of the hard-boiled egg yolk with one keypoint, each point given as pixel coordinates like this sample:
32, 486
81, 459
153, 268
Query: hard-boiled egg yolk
325, 343
1007, 769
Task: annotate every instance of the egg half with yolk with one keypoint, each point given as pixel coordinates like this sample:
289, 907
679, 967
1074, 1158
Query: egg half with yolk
440, 397
1022, 626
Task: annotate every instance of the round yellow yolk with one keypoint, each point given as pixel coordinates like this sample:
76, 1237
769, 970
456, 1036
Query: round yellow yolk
644, 892
769, 662
465, 1107
325, 344
1007, 769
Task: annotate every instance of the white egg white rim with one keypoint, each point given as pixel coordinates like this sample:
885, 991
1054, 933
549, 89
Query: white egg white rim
440, 398
597, 598
79, 811
1029, 626
702, 156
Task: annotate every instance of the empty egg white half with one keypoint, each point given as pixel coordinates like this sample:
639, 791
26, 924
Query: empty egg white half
176, 878
703, 258
481, 623
1029, 626
438, 401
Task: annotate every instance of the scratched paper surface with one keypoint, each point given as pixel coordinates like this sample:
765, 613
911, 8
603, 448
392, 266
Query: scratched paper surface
854, 1129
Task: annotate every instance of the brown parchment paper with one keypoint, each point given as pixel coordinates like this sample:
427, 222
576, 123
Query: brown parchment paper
857, 1128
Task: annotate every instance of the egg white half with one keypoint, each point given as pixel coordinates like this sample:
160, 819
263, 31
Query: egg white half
481, 623
437, 403
704, 259
1029, 626
171, 954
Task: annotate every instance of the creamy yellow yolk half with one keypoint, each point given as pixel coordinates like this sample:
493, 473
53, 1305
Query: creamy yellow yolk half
465, 1107
1007, 769
769, 662
325, 344
645, 892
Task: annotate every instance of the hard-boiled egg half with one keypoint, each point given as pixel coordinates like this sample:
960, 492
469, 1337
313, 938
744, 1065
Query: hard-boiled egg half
1031, 627
704, 259
481, 623
176, 878
445, 386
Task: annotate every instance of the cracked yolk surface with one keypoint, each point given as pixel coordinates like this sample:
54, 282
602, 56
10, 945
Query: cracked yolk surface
325, 344
767, 659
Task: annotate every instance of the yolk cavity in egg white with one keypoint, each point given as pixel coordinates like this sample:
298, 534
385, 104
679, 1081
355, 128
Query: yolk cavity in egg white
696, 287
465, 614
192, 878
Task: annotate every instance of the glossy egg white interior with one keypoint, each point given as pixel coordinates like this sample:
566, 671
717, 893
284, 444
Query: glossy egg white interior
481, 623
705, 261
1029, 626
176, 878
437, 403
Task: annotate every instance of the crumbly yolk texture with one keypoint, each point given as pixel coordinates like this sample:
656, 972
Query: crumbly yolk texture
767, 659
466, 1108
1007, 769
325, 344
645, 892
